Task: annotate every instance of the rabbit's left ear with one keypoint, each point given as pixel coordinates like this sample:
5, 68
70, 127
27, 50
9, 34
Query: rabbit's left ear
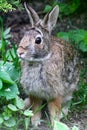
50, 19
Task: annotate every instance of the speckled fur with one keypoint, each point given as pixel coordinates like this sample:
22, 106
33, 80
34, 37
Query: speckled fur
54, 78
57, 76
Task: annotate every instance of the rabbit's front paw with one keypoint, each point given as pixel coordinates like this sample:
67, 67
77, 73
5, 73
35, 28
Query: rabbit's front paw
35, 120
26, 103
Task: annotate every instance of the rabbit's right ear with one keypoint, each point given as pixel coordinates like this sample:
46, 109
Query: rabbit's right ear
33, 16
50, 19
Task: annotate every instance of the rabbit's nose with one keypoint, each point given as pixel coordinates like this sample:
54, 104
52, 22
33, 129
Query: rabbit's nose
19, 53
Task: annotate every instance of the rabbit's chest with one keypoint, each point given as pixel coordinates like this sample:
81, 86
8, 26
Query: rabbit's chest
41, 82
34, 81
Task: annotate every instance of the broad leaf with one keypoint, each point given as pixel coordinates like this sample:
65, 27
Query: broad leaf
60, 126
10, 123
28, 113
7, 33
19, 103
1, 120
10, 92
12, 107
11, 70
75, 128
7, 114
4, 76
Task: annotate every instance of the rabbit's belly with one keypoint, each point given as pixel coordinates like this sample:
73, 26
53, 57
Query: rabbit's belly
34, 82
35, 86
39, 82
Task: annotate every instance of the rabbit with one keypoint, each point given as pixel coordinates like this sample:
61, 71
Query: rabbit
50, 66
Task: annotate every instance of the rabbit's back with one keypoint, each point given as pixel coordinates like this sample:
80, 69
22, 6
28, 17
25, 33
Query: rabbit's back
71, 70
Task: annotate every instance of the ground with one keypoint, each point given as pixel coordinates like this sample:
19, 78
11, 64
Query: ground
18, 22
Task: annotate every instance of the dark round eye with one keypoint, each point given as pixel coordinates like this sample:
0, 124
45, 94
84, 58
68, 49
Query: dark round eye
38, 40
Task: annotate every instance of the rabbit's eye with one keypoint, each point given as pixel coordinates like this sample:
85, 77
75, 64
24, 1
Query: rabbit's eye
38, 40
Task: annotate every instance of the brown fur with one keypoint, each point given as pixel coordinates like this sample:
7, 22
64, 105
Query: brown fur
50, 70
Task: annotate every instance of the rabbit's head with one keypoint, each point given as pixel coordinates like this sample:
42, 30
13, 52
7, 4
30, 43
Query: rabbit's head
35, 45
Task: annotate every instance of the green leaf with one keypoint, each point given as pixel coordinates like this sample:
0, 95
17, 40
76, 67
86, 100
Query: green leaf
0, 44
7, 114
76, 37
10, 91
1, 84
60, 126
19, 103
63, 35
27, 123
11, 70
69, 8
6, 117
10, 53
83, 46
28, 113
5, 6
4, 76
12, 107
6, 33
10, 123
75, 128
1, 120
47, 8
13, 93
79, 37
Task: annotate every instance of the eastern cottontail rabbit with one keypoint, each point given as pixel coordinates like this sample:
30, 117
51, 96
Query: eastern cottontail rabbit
50, 68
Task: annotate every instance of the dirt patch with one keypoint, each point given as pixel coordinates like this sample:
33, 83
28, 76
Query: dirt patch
78, 119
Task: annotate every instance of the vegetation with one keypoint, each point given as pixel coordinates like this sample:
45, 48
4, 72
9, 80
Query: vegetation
12, 105
62, 126
78, 38
67, 8
6, 5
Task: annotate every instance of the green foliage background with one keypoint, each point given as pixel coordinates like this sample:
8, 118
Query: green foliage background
12, 104
6, 5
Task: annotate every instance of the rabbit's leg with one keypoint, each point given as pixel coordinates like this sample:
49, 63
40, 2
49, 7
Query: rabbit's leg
36, 104
54, 110
26, 103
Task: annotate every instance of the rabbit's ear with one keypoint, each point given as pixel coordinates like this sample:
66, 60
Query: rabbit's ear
33, 16
50, 19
